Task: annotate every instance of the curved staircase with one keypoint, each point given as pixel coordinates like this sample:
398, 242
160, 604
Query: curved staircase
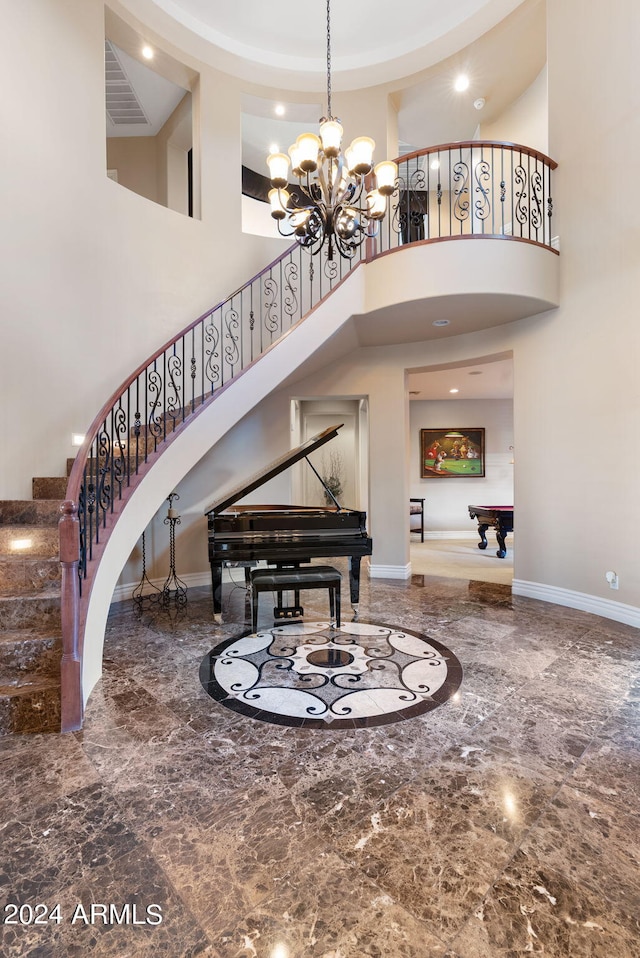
51, 554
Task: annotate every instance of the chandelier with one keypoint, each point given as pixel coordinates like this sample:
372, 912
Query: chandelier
342, 201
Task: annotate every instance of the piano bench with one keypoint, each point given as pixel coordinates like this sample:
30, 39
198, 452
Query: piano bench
295, 580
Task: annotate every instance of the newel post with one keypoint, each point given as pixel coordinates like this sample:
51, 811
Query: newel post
71, 667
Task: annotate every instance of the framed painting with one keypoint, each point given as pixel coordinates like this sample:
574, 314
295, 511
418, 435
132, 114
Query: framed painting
451, 453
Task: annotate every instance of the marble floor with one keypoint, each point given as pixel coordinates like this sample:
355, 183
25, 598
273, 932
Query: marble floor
503, 822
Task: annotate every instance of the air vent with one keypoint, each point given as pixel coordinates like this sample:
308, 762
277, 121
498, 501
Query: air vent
123, 107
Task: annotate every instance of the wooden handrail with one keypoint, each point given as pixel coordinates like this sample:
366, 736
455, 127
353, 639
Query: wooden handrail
472, 144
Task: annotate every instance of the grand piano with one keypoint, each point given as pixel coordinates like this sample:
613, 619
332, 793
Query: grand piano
284, 535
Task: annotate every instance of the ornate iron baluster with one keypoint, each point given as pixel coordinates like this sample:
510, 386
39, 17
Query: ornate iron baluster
270, 288
537, 191
231, 351
461, 192
290, 300
520, 182
482, 205
213, 369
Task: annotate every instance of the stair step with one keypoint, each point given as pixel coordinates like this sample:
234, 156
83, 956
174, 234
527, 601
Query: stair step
29, 541
52, 487
20, 575
137, 450
30, 512
26, 657
30, 708
38, 612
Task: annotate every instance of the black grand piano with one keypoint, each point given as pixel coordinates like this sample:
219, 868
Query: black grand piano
284, 535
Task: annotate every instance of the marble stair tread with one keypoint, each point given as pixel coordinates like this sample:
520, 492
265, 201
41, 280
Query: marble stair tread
168, 421
25, 541
28, 656
30, 708
136, 455
37, 682
31, 611
20, 574
49, 487
30, 512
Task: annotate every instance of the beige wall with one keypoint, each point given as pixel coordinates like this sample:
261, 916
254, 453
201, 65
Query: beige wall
526, 121
577, 399
135, 160
95, 277
156, 166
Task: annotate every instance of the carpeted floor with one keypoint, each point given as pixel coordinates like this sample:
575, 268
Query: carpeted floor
461, 559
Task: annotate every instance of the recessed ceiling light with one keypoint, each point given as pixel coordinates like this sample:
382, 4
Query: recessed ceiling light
280, 111
454, 390
147, 53
461, 83
435, 164
441, 322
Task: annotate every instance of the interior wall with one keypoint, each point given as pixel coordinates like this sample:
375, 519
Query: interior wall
96, 277
338, 458
173, 143
447, 499
526, 121
135, 160
576, 374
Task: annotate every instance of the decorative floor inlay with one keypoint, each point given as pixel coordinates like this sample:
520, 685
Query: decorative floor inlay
314, 675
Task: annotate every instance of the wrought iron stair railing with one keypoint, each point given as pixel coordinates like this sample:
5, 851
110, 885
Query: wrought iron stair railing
458, 190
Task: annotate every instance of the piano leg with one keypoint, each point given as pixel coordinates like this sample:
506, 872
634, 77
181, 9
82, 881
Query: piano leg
216, 590
354, 583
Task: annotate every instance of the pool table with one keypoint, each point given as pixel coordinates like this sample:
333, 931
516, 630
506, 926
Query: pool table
500, 517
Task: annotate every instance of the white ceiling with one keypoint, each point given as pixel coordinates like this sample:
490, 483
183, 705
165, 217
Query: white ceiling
489, 379
500, 44
155, 96
375, 44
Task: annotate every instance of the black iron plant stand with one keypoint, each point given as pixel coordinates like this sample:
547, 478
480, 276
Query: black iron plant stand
174, 588
139, 595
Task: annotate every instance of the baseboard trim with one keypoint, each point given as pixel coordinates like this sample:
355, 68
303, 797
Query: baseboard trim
618, 611
606, 608
191, 579
390, 571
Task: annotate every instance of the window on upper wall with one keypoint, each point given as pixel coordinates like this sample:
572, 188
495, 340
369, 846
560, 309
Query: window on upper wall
149, 120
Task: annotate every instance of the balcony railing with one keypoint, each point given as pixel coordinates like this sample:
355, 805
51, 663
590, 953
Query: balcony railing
476, 189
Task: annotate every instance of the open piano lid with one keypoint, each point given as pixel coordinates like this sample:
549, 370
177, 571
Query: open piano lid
273, 469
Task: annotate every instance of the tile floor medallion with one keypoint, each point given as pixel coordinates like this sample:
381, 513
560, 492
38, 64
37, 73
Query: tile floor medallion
314, 675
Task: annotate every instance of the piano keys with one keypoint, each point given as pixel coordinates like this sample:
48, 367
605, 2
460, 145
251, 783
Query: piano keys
284, 534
